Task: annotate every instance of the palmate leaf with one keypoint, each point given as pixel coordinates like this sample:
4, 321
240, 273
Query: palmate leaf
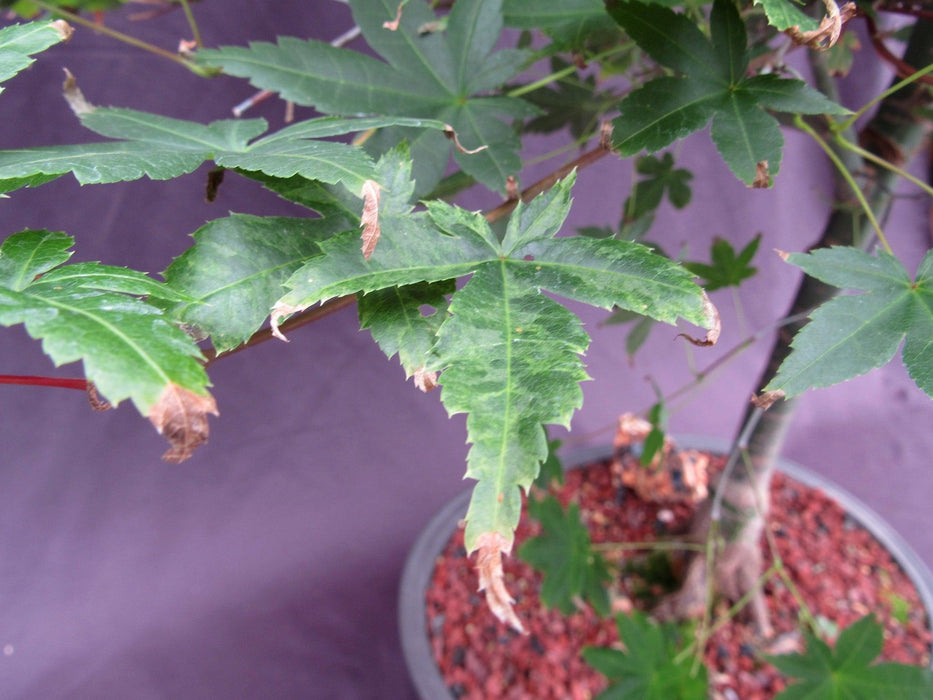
847, 671
726, 268
432, 75
91, 312
509, 354
648, 669
564, 554
162, 148
18, 43
711, 86
662, 177
850, 335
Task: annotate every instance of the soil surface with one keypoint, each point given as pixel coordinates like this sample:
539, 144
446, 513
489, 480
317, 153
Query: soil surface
839, 569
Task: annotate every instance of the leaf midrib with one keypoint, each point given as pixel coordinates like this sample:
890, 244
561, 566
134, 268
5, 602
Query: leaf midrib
129, 342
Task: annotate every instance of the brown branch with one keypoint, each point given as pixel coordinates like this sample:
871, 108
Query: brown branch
902, 68
548, 181
300, 319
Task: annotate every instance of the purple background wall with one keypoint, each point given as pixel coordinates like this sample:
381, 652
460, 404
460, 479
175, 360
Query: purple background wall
268, 564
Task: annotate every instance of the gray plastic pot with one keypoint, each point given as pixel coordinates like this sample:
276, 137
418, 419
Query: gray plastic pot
421, 559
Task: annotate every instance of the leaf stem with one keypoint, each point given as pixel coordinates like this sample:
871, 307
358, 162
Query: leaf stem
31, 380
881, 162
848, 177
563, 72
126, 39
300, 319
914, 77
547, 182
189, 15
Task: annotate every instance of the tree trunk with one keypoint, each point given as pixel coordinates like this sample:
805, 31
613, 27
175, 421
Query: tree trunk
894, 133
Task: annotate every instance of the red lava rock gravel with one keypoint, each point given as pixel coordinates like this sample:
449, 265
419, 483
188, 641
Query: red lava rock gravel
840, 570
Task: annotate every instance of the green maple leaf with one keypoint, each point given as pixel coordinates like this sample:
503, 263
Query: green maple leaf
434, 75
93, 313
710, 85
509, 354
19, 42
162, 148
726, 268
662, 178
852, 334
565, 556
847, 671
648, 669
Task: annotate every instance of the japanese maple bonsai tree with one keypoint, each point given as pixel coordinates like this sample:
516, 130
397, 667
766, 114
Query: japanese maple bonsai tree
381, 231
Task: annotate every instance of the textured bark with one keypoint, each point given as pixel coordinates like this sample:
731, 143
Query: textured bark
894, 133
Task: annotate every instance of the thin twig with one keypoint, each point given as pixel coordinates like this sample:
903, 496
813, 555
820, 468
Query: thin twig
124, 38
249, 102
57, 382
189, 15
547, 182
301, 319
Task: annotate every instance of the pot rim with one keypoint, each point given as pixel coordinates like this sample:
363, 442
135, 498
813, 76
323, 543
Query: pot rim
419, 566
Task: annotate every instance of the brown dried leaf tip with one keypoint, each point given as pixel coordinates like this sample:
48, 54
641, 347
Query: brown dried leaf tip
511, 188
181, 416
369, 220
278, 311
63, 29
491, 546
74, 97
452, 135
711, 321
827, 34
762, 179
392, 26
767, 398
98, 403
425, 380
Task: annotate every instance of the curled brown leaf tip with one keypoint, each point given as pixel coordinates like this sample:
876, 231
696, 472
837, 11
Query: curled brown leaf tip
452, 135
181, 416
369, 220
392, 25
511, 188
827, 34
74, 97
782, 254
767, 398
187, 47
605, 135
278, 311
63, 29
98, 403
762, 179
491, 546
711, 321
424, 379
